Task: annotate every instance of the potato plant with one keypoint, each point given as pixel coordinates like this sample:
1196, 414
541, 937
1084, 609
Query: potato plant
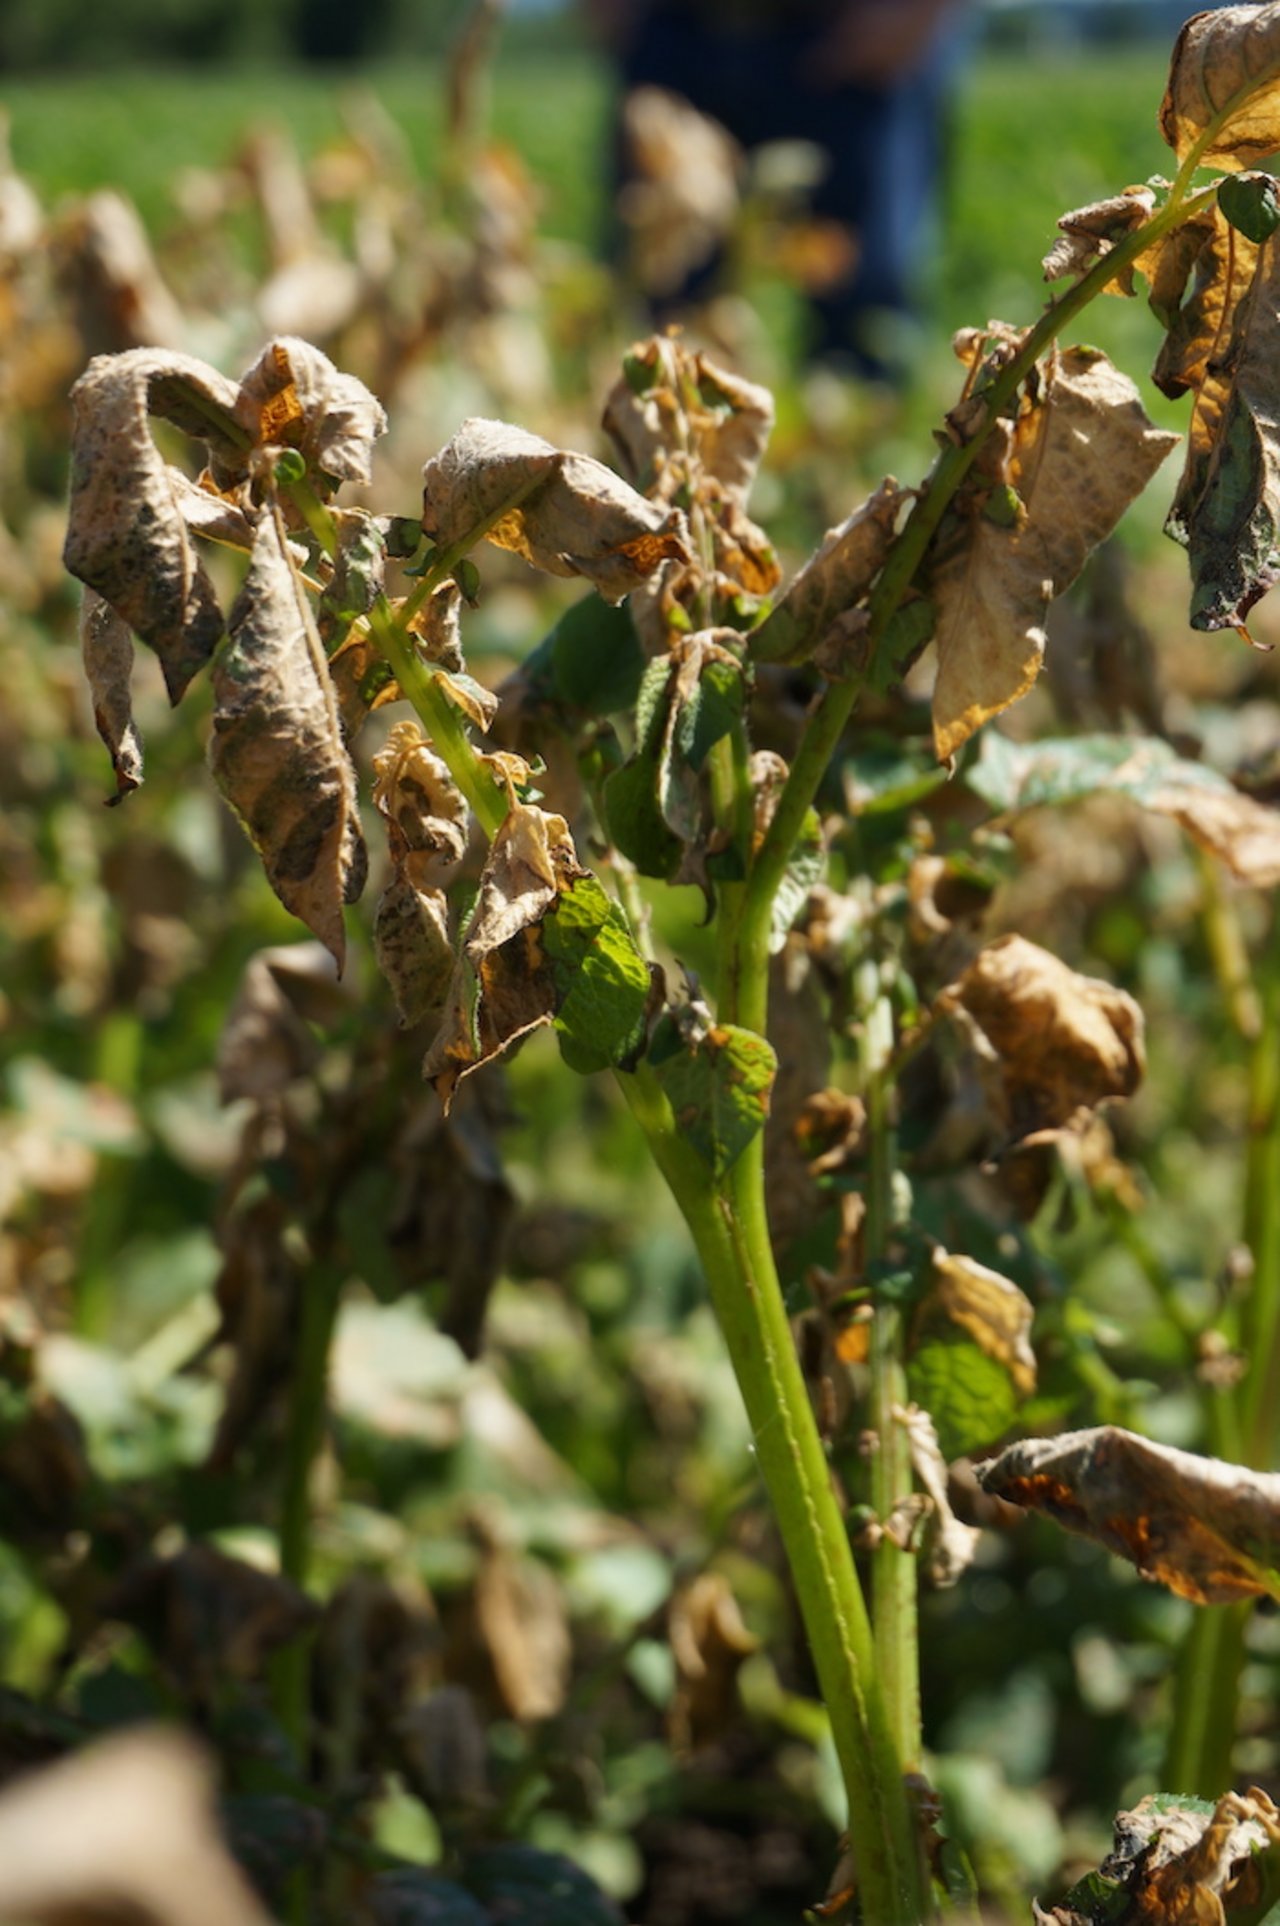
532, 836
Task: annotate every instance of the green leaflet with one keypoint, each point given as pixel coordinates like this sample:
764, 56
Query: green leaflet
969, 1396
596, 660
1015, 775
599, 974
807, 866
718, 1080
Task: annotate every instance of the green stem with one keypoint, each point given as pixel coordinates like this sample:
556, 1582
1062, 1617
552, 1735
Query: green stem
748, 1302
1206, 1698
893, 1568
421, 687
1260, 1334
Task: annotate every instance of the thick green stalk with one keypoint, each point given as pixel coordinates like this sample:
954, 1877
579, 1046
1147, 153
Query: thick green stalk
1206, 1699
1260, 1334
748, 1302
442, 721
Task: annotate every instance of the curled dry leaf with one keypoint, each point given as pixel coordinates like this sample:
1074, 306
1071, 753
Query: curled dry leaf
276, 750
949, 1546
1209, 1531
426, 828
1080, 452
994, 1312
1049, 1041
106, 649
127, 532
265, 1042
833, 582
1090, 233
1224, 82
501, 988
1227, 509
708, 1643
520, 1620
683, 195
565, 513
124, 1829
670, 400
1177, 1862
294, 397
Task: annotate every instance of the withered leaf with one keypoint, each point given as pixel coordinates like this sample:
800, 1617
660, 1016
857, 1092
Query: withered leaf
1049, 1041
411, 943
994, 1312
832, 582
127, 532
1090, 233
709, 1642
124, 1829
565, 513
1227, 509
503, 986
106, 649
1209, 1531
1177, 1861
949, 1545
294, 397
520, 1619
276, 750
1080, 453
670, 401
265, 1042
438, 628
1225, 74
418, 798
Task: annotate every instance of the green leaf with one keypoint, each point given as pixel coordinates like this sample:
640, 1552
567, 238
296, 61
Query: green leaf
969, 1396
1251, 202
599, 973
883, 778
711, 712
805, 868
718, 1082
635, 822
597, 663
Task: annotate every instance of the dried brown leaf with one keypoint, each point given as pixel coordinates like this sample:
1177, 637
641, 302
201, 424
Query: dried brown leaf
994, 1312
294, 397
125, 1829
127, 533
833, 582
106, 649
690, 407
949, 1546
565, 513
682, 196
265, 1042
1209, 1531
208, 1616
1081, 451
1226, 70
1049, 1041
520, 1618
411, 943
418, 798
502, 988
276, 750
1090, 233
709, 1642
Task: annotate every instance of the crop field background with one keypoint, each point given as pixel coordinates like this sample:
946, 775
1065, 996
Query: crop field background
499, 1536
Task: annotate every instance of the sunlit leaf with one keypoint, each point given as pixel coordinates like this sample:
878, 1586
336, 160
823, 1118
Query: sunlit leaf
294, 397
127, 534
565, 513
827, 594
1079, 454
1243, 833
1209, 1531
718, 1079
277, 752
1225, 75
990, 1309
969, 1395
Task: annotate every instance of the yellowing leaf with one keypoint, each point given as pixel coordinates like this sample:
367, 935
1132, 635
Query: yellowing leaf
106, 648
833, 583
1224, 82
276, 750
1049, 1042
127, 532
1209, 1531
565, 513
994, 1312
294, 397
1080, 452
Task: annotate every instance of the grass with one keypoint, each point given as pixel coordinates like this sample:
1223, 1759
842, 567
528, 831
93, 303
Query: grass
1030, 141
